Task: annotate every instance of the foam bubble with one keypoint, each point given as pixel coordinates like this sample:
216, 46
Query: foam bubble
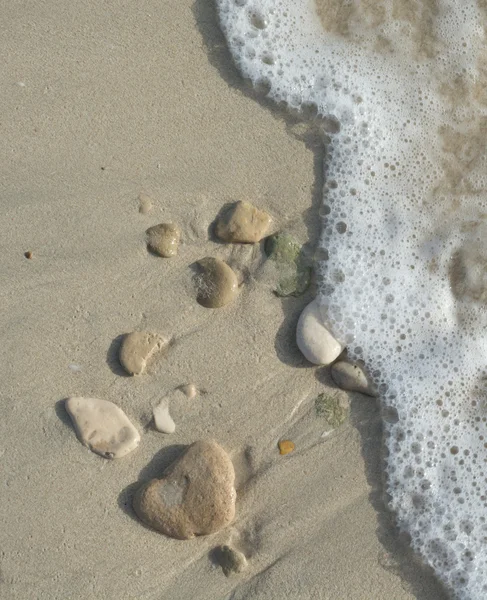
404, 244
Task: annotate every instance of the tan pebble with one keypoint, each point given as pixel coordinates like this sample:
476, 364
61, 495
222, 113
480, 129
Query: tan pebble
163, 239
136, 349
196, 496
102, 426
217, 283
285, 446
145, 203
28, 254
242, 223
189, 390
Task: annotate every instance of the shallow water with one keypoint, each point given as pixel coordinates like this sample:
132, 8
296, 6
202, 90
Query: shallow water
401, 86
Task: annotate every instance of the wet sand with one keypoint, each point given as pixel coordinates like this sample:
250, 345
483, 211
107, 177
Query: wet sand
98, 105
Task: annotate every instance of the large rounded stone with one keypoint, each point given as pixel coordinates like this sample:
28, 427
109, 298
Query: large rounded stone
196, 495
313, 338
242, 222
217, 283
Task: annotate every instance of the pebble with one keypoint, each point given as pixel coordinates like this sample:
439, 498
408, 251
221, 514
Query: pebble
351, 377
294, 274
136, 349
163, 239
189, 390
242, 222
286, 446
145, 203
28, 254
313, 338
196, 495
162, 419
217, 283
102, 426
230, 560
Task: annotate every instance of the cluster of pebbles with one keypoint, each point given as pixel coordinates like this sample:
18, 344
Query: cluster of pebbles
196, 494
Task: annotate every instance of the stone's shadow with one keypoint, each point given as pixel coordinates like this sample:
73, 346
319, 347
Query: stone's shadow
399, 558
212, 226
62, 413
112, 359
285, 341
154, 469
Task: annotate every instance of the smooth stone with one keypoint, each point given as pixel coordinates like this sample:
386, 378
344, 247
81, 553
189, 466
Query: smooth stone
136, 349
162, 419
217, 283
230, 560
285, 447
294, 274
313, 338
189, 390
102, 426
350, 376
163, 239
242, 223
196, 495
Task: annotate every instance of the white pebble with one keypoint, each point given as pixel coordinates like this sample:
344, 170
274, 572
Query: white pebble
313, 338
162, 419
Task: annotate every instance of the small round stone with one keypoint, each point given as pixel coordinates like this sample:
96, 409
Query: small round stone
145, 203
163, 239
242, 222
136, 349
230, 560
313, 338
196, 495
285, 446
351, 377
28, 254
189, 390
217, 283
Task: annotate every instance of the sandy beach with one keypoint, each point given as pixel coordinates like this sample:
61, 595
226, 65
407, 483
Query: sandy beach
100, 103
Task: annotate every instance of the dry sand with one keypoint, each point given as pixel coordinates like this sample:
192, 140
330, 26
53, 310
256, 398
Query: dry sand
98, 103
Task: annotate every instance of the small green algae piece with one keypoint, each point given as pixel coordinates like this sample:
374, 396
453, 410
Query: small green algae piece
330, 407
294, 273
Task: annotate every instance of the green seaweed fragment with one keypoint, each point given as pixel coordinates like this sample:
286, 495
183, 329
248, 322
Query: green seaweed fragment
294, 273
329, 407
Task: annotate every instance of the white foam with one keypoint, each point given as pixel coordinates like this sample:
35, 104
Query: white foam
404, 235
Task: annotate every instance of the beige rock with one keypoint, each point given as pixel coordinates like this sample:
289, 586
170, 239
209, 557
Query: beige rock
244, 223
136, 349
217, 283
102, 426
351, 377
313, 338
163, 239
196, 495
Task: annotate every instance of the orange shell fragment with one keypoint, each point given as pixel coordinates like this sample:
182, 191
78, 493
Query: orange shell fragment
286, 446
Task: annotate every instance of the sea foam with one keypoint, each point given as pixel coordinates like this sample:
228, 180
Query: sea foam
404, 244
